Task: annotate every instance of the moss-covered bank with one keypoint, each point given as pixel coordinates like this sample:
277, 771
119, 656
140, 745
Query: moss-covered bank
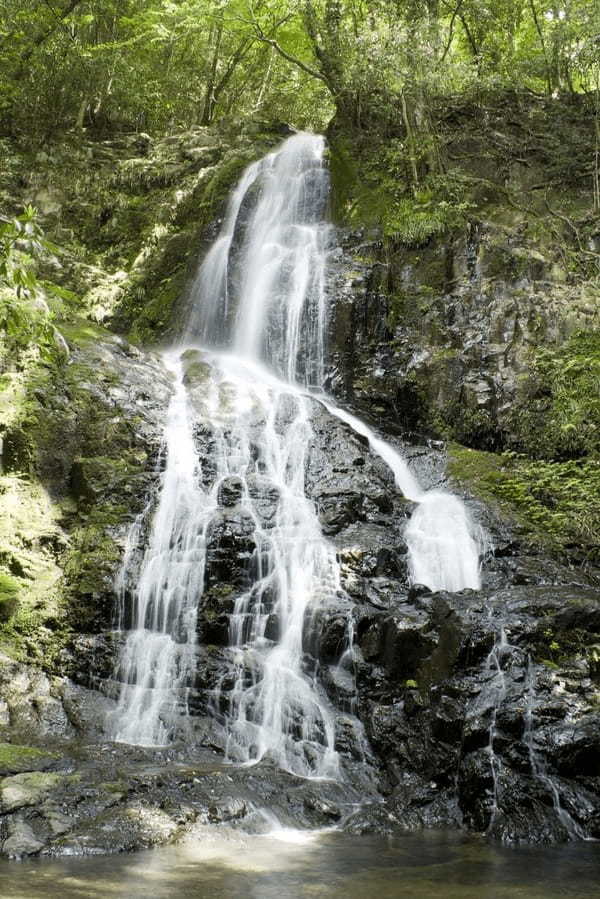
130, 214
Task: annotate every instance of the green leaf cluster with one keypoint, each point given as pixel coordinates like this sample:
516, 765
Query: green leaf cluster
24, 314
112, 65
556, 503
558, 416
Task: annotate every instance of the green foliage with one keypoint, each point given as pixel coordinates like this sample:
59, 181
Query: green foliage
375, 188
24, 315
414, 221
119, 64
9, 591
21, 242
556, 503
559, 412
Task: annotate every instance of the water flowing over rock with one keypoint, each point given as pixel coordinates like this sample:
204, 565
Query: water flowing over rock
259, 293
310, 627
157, 658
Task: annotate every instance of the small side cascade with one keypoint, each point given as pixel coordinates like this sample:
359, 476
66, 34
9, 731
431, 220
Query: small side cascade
538, 767
494, 664
443, 550
345, 670
444, 544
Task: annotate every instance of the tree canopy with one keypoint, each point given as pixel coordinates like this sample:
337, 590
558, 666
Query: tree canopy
158, 64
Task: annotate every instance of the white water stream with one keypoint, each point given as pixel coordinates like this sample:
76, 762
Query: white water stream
157, 658
260, 296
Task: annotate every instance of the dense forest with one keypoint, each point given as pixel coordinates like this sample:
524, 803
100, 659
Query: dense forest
159, 66
461, 289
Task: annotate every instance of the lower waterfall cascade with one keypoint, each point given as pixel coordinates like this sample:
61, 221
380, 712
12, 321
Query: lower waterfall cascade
247, 378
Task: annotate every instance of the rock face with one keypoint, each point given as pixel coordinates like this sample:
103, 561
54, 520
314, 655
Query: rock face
474, 709
442, 337
478, 709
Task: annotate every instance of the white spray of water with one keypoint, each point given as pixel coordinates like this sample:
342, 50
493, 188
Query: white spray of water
275, 706
260, 293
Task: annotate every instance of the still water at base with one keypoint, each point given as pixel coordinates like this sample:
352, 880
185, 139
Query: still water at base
299, 865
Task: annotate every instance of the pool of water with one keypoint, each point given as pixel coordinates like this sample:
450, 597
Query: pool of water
292, 864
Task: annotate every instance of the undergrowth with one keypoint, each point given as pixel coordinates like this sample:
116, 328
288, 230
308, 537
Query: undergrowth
555, 503
558, 416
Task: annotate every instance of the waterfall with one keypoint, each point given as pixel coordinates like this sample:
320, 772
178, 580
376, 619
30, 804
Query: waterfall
256, 329
157, 657
443, 546
266, 301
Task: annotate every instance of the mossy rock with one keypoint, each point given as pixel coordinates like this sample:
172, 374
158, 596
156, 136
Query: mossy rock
15, 759
196, 369
104, 479
554, 504
29, 789
9, 593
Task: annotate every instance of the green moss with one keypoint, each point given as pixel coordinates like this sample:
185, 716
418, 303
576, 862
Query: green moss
557, 413
15, 759
372, 186
77, 468
104, 480
560, 647
197, 370
119, 787
81, 331
9, 591
553, 666
30, 541
557, 504
344, 177
30, 788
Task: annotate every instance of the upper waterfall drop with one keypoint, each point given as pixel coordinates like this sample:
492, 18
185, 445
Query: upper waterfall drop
260, 291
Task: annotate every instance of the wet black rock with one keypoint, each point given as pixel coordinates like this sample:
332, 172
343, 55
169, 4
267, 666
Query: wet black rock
230, 548
230, 492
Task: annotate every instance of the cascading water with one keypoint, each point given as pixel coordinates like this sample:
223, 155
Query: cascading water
260, 296
443, 546
538, 768
157, 656
494, 663
264, 300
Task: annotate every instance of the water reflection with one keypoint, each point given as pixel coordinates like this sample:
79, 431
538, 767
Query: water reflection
292, 865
